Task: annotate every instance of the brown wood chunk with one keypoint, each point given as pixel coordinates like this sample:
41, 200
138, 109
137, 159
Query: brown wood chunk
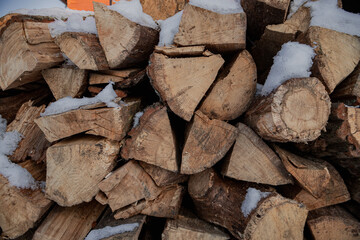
173, 51
162, 9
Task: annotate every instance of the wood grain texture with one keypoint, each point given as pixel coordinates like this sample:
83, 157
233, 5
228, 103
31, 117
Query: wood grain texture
173, 51
162, 9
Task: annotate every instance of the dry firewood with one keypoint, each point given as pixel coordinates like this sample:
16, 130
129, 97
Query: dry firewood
197, 28
125, 43
183, 92
261, 13
153, 140
33, 144
206, 143
225, 202
162, 9
173, 51
350, 87
37, 32
252, 160
112, 123
337, 54
66, 81
296, 111
21, 208
76, 165
83, 49
96, 90
333, 223
122, 78
233, 90
71, 223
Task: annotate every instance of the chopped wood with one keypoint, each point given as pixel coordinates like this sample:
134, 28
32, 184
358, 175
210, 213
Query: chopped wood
83, 49
153, 140
218, 32
71, 223
112, 123
173, 51
125, 43
64, 82
21, 208
337, 54
75, 166
252, 160
296, 111
206, 143
122, 78
233, 89
220, 201
350, 87
37, 32
183, 92
96, 90
162, 9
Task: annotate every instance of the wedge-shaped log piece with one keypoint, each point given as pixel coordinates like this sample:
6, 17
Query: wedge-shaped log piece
333, 223
162, 9
233, 90
206, 143
173, 51
153, 140
296, 111
125, 43
75, 167
218, 32
71, 223
83, 49
252, 160
21, 208
337, 54
37, 32
112, 123
230, 204
183, 92
122, 78
350, 87
33, 144
65, 82
127, 185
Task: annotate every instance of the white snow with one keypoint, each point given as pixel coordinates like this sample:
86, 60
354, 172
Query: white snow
252, 198
259, 88
7, 6
74, 23
137, 118
326, 14
294, 6
16, 175
107, 95
294, 60
168, 28
133, 11
222, 7
55, 12
108, 231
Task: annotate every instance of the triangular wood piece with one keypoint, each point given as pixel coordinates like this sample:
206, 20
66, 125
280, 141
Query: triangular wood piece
173, 51
162, 9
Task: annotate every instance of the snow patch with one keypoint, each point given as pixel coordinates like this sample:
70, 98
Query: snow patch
259, 88
222, 7
54, 12
74, 23
168, 28
108, 231
137, 118
252, 198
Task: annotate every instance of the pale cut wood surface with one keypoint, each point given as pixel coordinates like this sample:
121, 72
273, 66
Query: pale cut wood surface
350, 87
126, 78
173, 51
37, 32
162, 9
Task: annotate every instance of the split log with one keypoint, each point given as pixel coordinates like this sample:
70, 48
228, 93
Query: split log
337, 54
96, 90
261, 13
33, 144
350, 87
160, 9
75, 167
187, 226
122, 78
21, 208
65, 82
173, 51
218, 32
69, 223
37, 32
112, 123
180, 91
153, 140
206, 143
83, 49
125, 43
252, 160
224, 202
296, 111
333, 223
233, 90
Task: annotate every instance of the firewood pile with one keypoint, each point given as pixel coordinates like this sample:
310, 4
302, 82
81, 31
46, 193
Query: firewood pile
244, 125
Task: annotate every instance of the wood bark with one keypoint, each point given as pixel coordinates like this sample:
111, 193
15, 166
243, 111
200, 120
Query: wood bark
183, 93
125, 43
206, 143
350, 87
75, 167
83, 49
220, 201
337, 54
112, 123
71, 223
173, 51
252, 160
233, 90
21, 208
153, 140
197, 28
66, 81
162, 9
296, 111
